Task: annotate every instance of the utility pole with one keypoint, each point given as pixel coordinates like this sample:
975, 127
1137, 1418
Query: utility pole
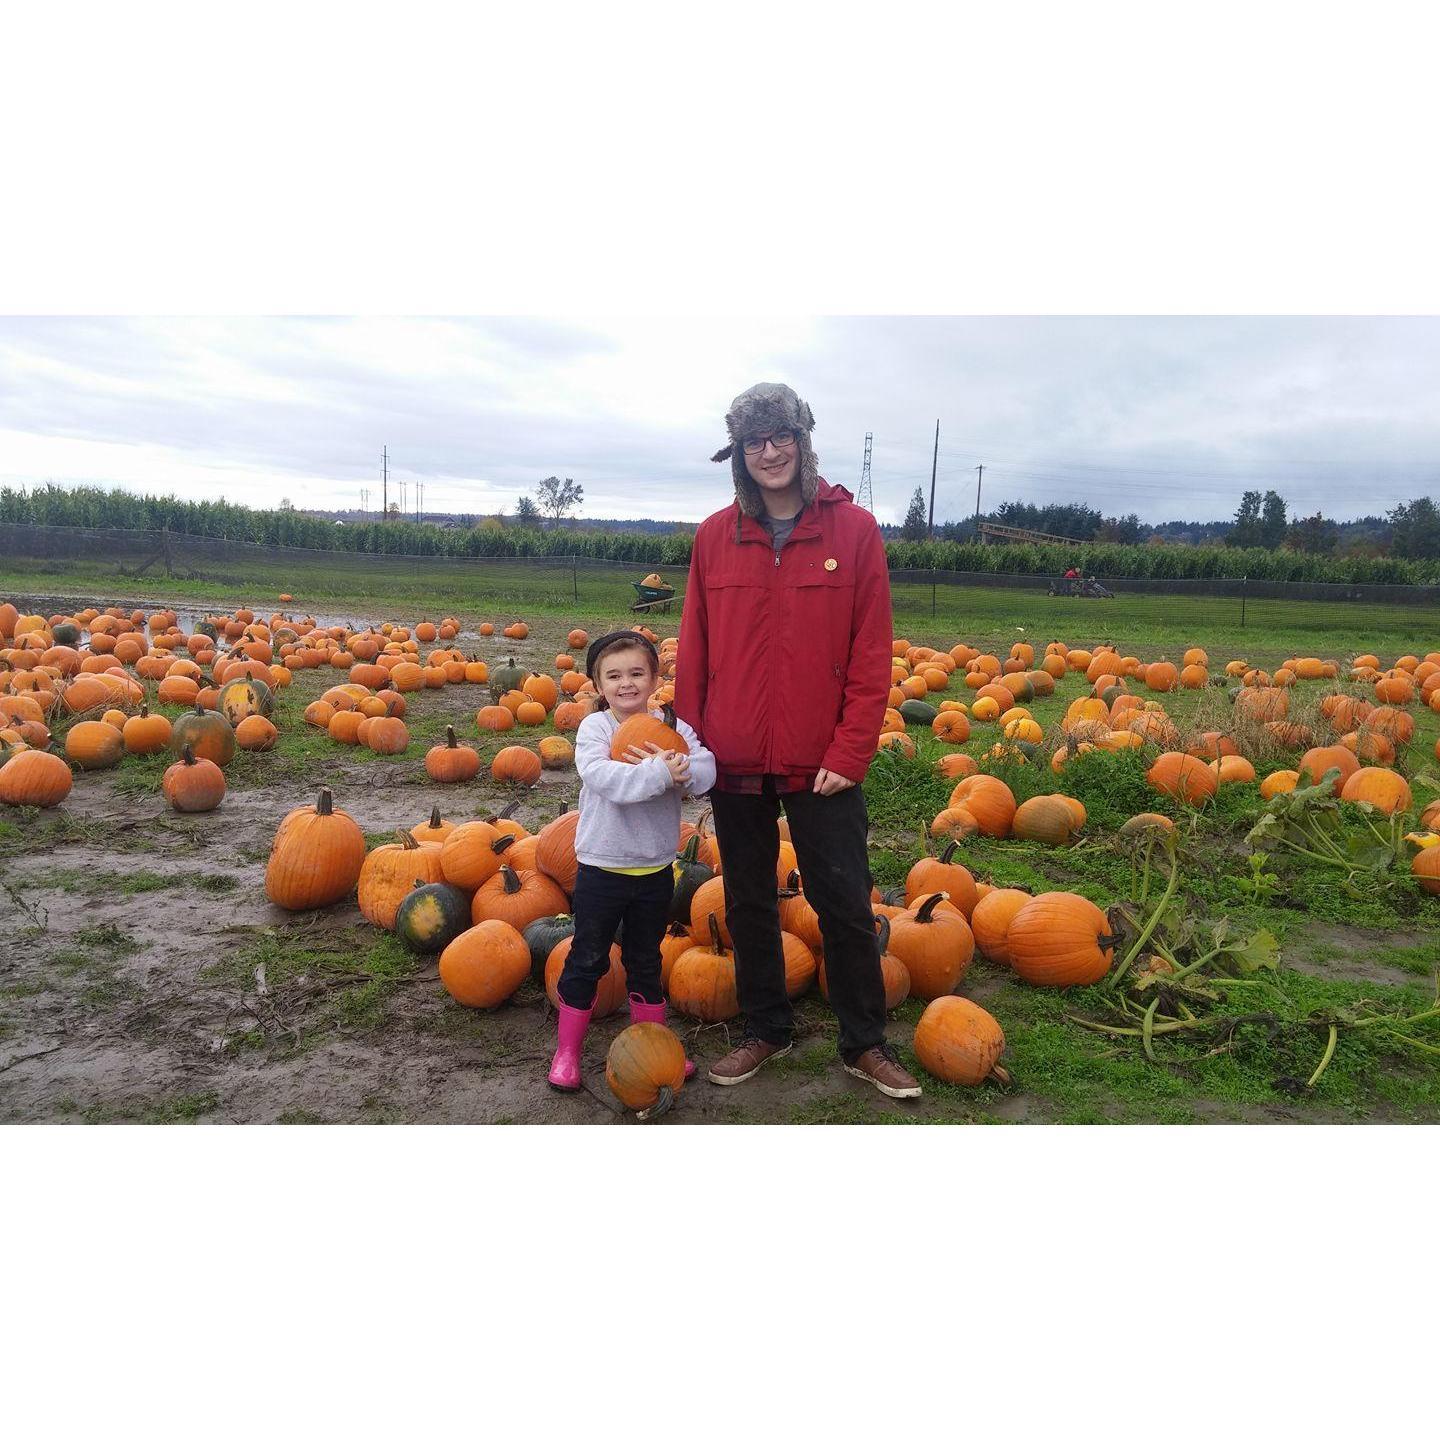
402, 499
934, 463
866, 498
979, 476
365, 502
385, 483
420, 502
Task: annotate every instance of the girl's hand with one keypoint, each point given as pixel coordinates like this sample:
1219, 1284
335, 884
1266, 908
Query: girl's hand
678, 765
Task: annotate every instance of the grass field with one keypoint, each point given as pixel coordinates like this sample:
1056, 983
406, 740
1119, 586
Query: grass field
132, 991
374, 587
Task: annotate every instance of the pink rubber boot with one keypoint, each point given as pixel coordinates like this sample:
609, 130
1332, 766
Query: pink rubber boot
565, 1067
640, 1009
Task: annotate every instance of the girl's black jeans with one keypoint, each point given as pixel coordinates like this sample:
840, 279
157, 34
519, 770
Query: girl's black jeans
602, 900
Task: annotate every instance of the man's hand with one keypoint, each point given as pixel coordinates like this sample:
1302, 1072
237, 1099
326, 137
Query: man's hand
829, 782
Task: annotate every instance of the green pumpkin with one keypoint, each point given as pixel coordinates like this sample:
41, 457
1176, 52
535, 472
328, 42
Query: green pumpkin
504, 678
918, 712
542, 936
67, 634
199, 727
207, 627
241, 698
690, 875
431, 916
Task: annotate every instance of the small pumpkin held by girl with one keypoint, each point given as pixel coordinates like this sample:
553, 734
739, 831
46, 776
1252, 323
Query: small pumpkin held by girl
634, 767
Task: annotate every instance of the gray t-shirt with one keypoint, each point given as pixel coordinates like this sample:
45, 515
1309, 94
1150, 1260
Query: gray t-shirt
780, 529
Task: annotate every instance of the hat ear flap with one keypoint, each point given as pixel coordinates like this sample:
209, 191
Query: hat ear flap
806, 416
723, 454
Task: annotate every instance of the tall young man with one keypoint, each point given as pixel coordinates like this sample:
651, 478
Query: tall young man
784, 669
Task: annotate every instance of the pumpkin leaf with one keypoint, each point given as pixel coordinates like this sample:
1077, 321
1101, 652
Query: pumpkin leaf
1260, 952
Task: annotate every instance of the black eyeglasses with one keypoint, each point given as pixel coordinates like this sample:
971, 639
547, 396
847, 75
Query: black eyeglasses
781, 440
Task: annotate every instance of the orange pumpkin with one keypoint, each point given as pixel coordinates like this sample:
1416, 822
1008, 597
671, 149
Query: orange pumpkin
516, 765
484, 966
1058, 939
934, 945
958, 1042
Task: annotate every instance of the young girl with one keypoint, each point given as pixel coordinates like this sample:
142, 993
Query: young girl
628, 834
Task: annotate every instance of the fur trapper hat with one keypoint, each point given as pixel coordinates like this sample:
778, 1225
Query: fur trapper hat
761, 410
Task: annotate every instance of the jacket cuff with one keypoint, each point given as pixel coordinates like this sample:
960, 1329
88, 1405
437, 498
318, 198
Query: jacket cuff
843, 764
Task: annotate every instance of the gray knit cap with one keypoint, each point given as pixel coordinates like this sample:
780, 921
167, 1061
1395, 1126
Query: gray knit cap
761, 410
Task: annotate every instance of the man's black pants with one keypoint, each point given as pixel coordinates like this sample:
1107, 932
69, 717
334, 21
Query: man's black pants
828, 833
602, 899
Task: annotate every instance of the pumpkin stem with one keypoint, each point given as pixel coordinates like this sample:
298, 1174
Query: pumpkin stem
792, 881
662, 1104
883, 929
451, 742
407, 840
502, 844
948, 851
689, 854
1000, 1075
187, 755
716, 944
925, 915
435, 820
512, 880
325, 803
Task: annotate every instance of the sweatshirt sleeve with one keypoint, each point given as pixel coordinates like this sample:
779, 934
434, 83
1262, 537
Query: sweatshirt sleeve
615, 779
702, 762
867, 680
692, 667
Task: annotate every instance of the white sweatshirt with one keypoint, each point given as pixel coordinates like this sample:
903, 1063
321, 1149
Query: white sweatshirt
630, 814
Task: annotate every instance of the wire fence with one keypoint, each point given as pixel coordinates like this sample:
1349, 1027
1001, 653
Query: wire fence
126, 562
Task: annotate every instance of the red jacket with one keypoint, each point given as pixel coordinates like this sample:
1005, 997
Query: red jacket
784, 661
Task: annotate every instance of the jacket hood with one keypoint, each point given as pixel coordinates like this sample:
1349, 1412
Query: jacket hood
763, 408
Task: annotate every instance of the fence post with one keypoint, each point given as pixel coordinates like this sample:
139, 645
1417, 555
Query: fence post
1244, 583
932, 594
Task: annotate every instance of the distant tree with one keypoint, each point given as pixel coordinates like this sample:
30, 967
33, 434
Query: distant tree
1073, 521
394, 508
1120, 530
1272, 520
1314, 535
527, 512
1246, 529
287, 503
915, 524
1415, 530
558, 497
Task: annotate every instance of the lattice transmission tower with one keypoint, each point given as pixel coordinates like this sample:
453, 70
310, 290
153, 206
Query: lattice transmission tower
866, 498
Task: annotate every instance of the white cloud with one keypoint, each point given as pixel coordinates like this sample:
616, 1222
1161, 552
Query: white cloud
1168, 417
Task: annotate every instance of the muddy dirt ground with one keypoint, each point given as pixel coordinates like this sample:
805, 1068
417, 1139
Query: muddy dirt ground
147, 978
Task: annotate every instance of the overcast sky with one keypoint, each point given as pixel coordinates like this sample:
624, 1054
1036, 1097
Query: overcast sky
1171, 418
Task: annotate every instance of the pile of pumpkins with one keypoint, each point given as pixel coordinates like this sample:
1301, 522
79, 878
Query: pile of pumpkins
76, 693
1362, 750
492, 901
96, 697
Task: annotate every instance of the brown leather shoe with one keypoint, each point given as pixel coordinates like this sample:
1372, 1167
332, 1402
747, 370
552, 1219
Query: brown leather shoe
743, 1061
879, 1066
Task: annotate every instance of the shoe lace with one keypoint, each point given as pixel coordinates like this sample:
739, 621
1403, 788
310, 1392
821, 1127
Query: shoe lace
887, 1052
